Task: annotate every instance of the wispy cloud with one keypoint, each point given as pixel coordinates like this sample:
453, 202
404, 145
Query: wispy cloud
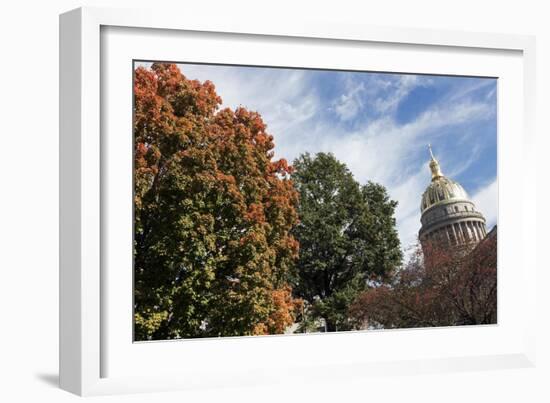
394, 90
356, 117
349, 103
381, 152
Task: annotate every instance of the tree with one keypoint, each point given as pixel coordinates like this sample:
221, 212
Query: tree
347, 237
440, 286
213, 214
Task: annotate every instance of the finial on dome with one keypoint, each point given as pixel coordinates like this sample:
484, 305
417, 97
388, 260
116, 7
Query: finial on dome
434, 165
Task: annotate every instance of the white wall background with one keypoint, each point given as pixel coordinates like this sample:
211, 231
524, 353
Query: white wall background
29, 197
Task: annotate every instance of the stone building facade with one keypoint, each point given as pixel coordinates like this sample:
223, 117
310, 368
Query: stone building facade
449, 217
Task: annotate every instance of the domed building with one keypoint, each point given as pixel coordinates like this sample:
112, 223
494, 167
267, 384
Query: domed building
449, 217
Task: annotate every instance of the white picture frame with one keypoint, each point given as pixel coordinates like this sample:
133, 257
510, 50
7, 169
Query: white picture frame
86, 345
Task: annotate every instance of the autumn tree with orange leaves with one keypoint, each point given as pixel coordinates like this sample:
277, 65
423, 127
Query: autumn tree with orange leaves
213, 215
440, 286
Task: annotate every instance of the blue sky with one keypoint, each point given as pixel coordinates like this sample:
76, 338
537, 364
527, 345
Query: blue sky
379, 124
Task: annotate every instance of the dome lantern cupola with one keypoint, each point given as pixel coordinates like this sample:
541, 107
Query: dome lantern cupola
434, 165
441, 190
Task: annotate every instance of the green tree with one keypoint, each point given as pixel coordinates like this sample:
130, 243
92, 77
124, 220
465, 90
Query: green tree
347, 237
213, 214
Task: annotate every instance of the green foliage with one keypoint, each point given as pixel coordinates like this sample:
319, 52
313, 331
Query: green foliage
347, 237
213, 214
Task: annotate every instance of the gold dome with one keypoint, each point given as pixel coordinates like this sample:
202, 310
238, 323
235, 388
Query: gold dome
442, 189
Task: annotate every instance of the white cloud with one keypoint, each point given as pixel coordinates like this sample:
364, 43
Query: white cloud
379, 94
349, 103
486, 201
394, 91
347, 106
378, 149
283, 98
380, 152
466, 90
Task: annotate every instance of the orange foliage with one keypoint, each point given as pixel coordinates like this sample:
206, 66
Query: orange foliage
284, 314
210, 205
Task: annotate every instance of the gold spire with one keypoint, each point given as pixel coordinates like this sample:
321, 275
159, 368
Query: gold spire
434, 165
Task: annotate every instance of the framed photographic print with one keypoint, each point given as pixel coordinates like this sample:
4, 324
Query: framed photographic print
310, 196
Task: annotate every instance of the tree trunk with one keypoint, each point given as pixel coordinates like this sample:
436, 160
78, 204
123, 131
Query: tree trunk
331, 327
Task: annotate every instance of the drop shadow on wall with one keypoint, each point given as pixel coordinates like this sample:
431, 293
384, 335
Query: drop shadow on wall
49, 379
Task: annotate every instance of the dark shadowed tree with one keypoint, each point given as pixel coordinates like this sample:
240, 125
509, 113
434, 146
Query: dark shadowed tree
213, 214
439, 287
347, 237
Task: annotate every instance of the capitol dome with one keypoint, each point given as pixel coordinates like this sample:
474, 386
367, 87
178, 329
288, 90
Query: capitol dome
448, 215
442, 190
